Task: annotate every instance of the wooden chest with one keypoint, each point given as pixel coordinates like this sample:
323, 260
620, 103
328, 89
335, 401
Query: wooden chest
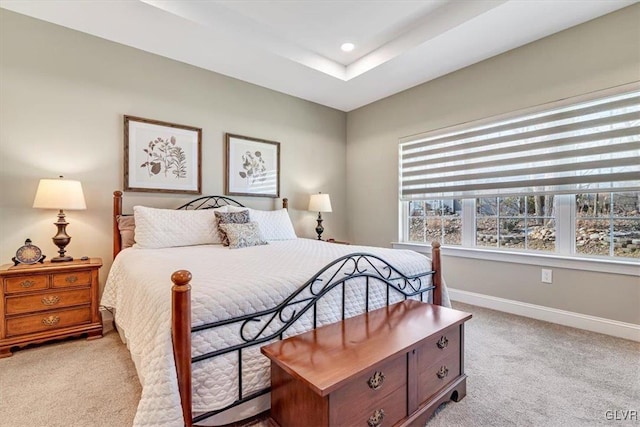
46, 301
391, 367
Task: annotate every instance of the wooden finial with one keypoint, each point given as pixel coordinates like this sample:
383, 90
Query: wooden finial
181, 278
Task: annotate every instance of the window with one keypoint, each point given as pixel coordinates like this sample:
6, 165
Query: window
561, 178
608, 224
435, 220
517, 222
604, 224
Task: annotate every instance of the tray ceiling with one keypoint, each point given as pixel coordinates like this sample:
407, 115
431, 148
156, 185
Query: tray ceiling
294, 46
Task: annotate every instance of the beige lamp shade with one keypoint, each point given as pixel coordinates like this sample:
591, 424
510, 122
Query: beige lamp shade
59, 194
320, 203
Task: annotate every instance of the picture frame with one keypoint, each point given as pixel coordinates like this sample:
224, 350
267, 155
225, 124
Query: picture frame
252, 166
162, 157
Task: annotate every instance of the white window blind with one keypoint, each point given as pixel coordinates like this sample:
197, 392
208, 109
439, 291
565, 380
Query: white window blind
588, 146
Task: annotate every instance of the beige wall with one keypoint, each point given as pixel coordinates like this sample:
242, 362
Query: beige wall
63, 94
62, 98
596, 55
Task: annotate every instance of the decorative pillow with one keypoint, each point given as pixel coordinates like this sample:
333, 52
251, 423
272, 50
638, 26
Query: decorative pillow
243, 235
165, 228
274, 225
239, 217
127, 227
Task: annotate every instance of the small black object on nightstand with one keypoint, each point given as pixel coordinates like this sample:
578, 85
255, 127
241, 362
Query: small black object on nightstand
84, 258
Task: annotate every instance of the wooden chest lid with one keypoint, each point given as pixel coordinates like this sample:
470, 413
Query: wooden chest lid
327, 357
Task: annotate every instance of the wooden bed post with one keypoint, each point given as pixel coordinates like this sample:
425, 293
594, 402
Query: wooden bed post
285, 203
117, 211
437, 276
181, 337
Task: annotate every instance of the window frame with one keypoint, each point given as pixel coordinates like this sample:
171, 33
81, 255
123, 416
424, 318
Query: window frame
565, 255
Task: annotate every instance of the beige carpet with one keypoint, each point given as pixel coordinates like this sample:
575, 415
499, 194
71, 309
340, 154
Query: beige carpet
70, 383
522, 372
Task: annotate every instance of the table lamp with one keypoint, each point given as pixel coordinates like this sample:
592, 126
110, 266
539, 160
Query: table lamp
60, 194
320, 203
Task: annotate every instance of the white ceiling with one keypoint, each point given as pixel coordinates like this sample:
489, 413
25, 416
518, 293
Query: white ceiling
294, 46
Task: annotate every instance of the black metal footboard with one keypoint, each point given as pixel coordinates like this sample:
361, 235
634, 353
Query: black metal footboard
357, 269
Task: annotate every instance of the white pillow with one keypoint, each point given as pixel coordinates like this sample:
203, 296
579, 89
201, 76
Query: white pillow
165, 228
274, 225
232, 208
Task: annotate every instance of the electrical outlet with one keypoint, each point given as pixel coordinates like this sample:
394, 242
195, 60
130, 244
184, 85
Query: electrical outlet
547, 276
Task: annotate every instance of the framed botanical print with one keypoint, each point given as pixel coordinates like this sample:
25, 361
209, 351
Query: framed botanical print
162, 157
252, 166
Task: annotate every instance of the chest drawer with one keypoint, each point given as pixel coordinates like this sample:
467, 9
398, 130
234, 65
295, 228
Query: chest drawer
47, 301
76, 278
370, 392
439, 347
383, 413
437, 375
48, 320
26, 283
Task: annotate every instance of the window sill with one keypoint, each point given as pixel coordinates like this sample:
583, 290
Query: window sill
628, 268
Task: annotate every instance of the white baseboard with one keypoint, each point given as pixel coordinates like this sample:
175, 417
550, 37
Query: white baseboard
601, 325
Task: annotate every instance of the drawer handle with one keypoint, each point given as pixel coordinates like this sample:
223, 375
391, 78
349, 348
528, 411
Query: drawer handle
376, 380
51, 320
443, 372
443, 342
71, 279
52, 300
27, 283
376, 419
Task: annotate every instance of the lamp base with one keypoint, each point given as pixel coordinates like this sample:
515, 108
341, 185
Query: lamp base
61, 239
319, 228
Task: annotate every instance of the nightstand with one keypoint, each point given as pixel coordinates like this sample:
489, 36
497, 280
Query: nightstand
41, 302
339, 242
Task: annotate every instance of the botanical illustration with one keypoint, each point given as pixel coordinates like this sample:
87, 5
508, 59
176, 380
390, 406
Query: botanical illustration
164, 156
254, 167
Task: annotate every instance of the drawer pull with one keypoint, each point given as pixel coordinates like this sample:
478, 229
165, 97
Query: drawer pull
376, 380
51, 320
27, 283
71, 279
376, 419
52, 300
443, 342
443, 372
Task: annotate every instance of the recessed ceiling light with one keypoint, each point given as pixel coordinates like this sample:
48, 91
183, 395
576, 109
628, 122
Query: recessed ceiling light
347, 47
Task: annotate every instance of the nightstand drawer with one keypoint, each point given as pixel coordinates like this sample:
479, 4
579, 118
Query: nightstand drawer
26, 283
48, 320
47, 301
76, 278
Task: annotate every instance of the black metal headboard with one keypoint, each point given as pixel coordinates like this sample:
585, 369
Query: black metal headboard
210, 202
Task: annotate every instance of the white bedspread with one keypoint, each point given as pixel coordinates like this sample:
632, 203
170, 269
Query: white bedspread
226, 283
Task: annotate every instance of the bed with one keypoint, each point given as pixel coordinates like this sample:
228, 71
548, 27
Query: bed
194, 317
